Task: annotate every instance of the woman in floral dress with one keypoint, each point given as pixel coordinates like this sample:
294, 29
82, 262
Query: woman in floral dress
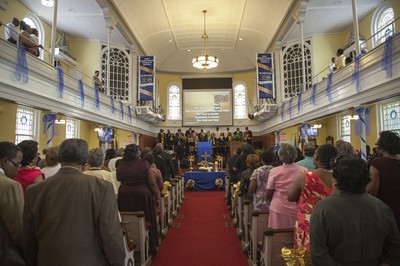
309, 188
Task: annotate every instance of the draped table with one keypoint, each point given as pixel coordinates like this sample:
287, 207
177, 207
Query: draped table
204, 180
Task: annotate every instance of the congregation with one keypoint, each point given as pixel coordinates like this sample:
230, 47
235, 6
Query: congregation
338, 194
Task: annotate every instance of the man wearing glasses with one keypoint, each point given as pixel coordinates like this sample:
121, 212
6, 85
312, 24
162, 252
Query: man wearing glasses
11, 205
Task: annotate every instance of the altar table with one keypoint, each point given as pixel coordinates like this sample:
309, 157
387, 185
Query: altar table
204, 180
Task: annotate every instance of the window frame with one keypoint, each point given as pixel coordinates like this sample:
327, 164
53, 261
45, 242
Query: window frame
245, 106
34, 127
39, 26
179, 86
375, 20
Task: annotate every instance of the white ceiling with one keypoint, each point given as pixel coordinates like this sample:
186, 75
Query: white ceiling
169, 28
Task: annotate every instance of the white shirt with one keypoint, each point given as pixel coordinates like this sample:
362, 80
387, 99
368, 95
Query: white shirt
111, 164
49, 171
11, 32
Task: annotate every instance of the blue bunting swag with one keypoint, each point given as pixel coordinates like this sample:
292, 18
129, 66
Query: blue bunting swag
290, 108
282, 110
60, 80
313, 93
48, 126
82, 93
362, 120
386, 61
356, 77
299, 101
21, 69
112, 104
97, 98
122, 109
328, 86
130, 114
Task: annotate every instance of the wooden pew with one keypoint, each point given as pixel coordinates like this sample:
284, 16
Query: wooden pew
247, 207
129, 243
138, 230
259, 222
273, 242
163, 220
239, 216
227, 188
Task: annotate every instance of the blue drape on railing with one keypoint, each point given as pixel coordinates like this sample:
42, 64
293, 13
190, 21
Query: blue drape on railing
328, 86
386, 61
130, 114
112, 104
48, 127
313, 93
282, 110
21, 68
356, 76
122, 109
290, 108
82, 93
362, 120
97, 98
299, 101
60, 80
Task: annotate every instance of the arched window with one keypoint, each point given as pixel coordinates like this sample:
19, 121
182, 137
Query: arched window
174, 102
345, 128
33, 21
239, 99
382, 23
119, 73
293, 69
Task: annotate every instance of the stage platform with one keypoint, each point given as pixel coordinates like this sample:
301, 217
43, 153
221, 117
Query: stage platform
205, 180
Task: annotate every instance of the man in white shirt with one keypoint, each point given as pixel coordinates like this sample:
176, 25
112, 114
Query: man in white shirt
11, 31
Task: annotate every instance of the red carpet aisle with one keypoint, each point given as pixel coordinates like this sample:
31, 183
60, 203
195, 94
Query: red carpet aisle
202, 234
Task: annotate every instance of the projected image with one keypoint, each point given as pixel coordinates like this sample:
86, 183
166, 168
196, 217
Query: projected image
207, 107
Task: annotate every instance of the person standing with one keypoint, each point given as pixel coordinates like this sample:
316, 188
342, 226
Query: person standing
282, 212
11, 31
309, 188
351, 227
72, 218
308, 161
384, 172
11, 206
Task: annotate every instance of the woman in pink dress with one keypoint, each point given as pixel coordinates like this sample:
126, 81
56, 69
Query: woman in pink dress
308, 189
282, 213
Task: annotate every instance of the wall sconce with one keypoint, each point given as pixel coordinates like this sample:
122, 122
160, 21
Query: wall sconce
317, 126
60, 121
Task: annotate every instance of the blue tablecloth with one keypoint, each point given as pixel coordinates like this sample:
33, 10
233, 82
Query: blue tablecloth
204, 180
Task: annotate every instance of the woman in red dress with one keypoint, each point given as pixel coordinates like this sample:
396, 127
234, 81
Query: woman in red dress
309, 188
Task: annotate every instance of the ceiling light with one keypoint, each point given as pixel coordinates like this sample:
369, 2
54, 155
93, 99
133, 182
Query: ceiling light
48, 3
60, 121
188, 50
169, 40
240, 39
205, 61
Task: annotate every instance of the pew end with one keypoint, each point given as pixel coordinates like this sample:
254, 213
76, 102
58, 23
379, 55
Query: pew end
273, 242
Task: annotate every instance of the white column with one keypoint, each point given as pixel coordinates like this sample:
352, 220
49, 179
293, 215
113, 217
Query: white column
134, 85
278, 89
302, 56
53, 33
363, 138
355, 26
108, 60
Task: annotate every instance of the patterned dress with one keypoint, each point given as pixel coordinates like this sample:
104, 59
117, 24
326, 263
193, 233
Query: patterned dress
260, 201
314, 190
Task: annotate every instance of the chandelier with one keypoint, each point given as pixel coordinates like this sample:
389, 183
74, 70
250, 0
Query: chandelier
205, 61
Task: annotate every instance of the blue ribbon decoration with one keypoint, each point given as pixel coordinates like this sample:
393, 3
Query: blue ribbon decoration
313, 93
356, 77
112, 104
21, 69
299, 102
48, 126
328, 86
282, 110
122, 109
386, 61
361, 120
290, 108
130, 114
97, 97
60, 80
82, 93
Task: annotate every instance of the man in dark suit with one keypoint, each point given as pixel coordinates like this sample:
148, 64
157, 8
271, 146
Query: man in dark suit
72, 218
168, 161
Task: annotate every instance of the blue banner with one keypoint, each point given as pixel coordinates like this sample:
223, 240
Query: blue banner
146, 78
265, 76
